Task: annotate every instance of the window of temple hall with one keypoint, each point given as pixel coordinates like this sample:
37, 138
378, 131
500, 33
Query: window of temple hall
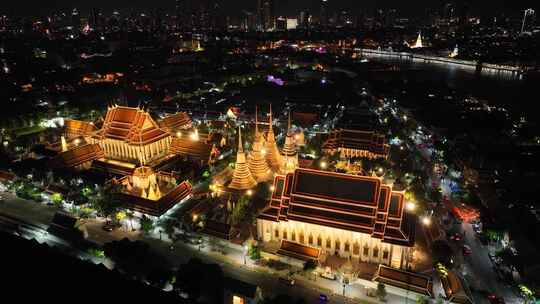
277, 233
338, 245
328, 243
347, 246
385, 254
310, 239
285, 234
356, 248
293, 236
319, 241
375, 252
366, 251
301, 238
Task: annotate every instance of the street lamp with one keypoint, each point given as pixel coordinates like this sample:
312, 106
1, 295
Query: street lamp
411, 206
426, 220
324, 165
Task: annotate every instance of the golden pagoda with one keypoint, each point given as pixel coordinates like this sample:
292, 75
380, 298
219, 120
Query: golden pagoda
257, 162
242, 178
272, 152
289, 152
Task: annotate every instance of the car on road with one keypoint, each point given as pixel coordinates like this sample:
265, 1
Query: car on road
456, 237
323, 298
467, 250
494, 299
109, 227
286, 281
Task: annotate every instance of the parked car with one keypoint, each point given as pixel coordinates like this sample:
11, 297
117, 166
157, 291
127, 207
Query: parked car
323, 298
456, 237
467, 250
328, 276
108, 227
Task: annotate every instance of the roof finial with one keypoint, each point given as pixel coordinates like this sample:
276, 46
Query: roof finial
256, 121
270, 122
240, 146
289, 123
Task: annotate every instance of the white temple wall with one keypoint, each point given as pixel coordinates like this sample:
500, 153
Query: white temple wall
360, 246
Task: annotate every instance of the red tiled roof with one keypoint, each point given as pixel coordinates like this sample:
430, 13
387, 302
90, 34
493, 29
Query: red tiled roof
176, 121
357, 140
132, 125
76, 128
405, 280
298, 251
78, 155
354, 203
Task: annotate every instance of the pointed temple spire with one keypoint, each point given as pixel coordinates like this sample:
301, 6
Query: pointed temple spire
289, 152
242, 178
257, 162
418, 43
272, 152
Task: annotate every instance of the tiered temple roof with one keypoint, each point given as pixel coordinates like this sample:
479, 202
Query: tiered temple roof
178, 121
131, 125
353, 143
272, 152
289, 152
77, 128
186, 146
242, 178
349, 202
415, 282
78, 156
257, 163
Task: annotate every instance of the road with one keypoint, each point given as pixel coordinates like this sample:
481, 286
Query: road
232, 262
482, 267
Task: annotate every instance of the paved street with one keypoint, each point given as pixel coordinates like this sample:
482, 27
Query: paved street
232, 262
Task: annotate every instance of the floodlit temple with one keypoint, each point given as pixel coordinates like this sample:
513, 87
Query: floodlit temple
289, 153
257, 162
353, 143
333, 213
151, 193
273, 157
242, 178
131, 135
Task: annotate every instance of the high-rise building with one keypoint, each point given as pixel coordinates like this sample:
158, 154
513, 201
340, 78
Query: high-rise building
323, 17
528, 20
266, 15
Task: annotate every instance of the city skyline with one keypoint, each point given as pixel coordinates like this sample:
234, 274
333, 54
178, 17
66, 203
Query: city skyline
283, 7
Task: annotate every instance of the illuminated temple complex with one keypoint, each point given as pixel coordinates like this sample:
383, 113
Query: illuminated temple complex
354, 143
273, 157
317, 212
257, 162
289, 152
242, 178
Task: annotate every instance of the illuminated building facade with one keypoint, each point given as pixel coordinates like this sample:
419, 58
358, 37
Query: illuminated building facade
353, 143
289, 152
242, 178
348, 215
257, 162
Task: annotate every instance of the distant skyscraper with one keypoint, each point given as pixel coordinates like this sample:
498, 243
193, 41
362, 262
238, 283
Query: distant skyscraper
323, 18
528, 20
266, 15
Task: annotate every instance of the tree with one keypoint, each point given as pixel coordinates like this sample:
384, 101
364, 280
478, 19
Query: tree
310, 265
422, 300
254, 251
146, 224
381, 291
57, 199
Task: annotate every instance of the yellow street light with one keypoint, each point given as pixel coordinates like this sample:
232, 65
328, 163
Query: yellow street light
249, 192
272, 188
426, 220
411, 206
178, 134
324, 165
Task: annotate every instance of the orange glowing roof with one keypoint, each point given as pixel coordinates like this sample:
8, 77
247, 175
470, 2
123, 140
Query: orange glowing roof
76, 128
132, 125
180, 120
357, 140
349, 202
78, 155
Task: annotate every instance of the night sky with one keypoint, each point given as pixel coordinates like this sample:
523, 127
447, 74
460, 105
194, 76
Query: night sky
285, 7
